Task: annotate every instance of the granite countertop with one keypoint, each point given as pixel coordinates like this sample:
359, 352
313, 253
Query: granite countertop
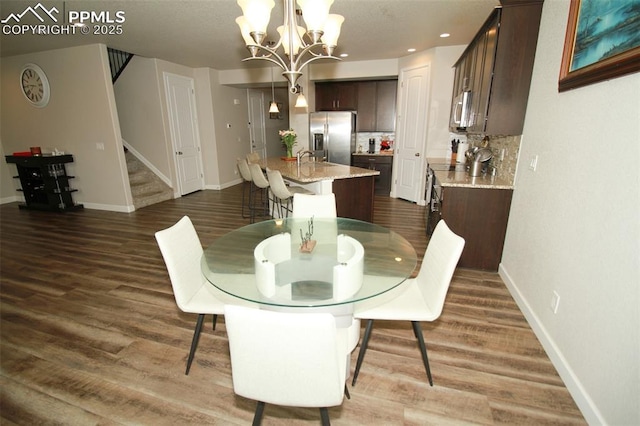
457, 176
314, 171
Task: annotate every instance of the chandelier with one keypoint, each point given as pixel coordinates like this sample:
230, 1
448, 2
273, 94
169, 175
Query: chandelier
322, 32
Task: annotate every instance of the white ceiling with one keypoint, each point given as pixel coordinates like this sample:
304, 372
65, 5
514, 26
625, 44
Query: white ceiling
203, 33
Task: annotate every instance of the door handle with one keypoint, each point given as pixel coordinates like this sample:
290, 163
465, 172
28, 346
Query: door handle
179, 152
417, 154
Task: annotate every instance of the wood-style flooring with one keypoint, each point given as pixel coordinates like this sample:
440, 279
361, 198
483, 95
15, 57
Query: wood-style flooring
91, 334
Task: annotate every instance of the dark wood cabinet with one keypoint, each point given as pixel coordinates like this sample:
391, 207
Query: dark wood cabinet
45, 182
479, 216
354, 197
386, 105
381, 163
338, 96
367, 105
377, 106
375, 102
497, 66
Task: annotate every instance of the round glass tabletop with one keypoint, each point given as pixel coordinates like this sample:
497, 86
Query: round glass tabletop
267, 263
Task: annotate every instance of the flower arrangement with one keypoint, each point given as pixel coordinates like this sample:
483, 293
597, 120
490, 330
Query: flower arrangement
288, 140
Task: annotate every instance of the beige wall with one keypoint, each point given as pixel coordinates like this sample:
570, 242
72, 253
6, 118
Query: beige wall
141, 115
574, 228
80, 115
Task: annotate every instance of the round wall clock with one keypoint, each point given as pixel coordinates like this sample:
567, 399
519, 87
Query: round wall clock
34, 85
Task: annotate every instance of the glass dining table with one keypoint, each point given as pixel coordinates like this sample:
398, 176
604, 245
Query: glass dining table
286, 274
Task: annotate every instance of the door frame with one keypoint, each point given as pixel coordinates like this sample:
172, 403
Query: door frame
196, 130
257, 96
423, 111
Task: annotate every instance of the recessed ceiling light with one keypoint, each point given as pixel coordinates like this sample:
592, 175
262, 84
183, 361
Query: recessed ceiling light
344, 55
411, 50
444, 35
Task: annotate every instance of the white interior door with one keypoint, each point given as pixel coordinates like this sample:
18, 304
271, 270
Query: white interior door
185, 137
411, 134
256, 122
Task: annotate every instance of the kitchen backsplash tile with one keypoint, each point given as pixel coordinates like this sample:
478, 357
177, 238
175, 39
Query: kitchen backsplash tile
362, 139
505, 164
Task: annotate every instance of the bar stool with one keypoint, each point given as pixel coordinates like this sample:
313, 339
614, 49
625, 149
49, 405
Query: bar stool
245, 174
253, 156
282, 193
260, 185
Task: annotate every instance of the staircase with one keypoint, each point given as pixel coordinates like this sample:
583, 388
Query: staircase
146, 187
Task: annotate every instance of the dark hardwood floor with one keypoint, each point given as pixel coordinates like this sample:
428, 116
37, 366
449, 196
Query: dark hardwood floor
91, 334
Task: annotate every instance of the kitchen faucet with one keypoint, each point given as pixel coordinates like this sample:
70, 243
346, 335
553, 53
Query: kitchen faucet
301, 154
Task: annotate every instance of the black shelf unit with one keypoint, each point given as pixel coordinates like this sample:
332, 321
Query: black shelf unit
45, 182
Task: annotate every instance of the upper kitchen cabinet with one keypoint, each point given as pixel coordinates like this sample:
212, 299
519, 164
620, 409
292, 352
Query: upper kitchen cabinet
377, 106
338, 96
493, 75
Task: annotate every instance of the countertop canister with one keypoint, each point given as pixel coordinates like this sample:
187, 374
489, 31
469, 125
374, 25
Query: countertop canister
462, 150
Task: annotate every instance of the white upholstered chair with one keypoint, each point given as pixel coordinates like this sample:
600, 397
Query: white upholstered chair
261, 189
253, 156
245, 173
181, 250
419, 299
288, 359
282, 193
319, 206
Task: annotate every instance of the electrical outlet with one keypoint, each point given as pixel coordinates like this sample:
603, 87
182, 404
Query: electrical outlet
555, 302
533, 164
100, 146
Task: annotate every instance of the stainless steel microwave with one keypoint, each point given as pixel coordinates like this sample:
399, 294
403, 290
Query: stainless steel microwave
461, 112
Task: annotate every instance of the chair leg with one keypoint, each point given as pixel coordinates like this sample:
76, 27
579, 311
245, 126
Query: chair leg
194, 341
324, 415
417, 330
215, 319
363, 349
257, 417
245, 201
346, 391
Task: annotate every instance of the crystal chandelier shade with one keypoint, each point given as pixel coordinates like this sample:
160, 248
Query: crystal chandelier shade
300, 46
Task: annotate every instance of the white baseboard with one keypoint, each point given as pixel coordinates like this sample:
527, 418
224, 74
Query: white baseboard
151, 167
12, 199
582, 399
108, 207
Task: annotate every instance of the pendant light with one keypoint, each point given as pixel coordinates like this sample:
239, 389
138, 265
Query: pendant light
300, 45
273, 108
301, 100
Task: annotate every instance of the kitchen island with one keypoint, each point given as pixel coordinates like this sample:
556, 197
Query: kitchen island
477, 209
352, 186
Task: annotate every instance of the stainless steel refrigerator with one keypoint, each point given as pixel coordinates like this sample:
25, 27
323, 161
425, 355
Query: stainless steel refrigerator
334, 133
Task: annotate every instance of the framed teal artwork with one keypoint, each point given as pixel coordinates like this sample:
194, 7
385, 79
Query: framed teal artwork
602, 42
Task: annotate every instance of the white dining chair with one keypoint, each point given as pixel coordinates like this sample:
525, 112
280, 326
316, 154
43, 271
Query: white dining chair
419, 299
182, 251
261, 189
287, 359
282, 193
253, 156
319, 206
247, 181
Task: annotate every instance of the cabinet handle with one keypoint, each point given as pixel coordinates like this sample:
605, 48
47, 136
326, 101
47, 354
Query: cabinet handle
417, 154
179, 152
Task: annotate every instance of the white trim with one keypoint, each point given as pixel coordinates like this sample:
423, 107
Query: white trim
582, 399
144, 161
12, 199
108, 207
